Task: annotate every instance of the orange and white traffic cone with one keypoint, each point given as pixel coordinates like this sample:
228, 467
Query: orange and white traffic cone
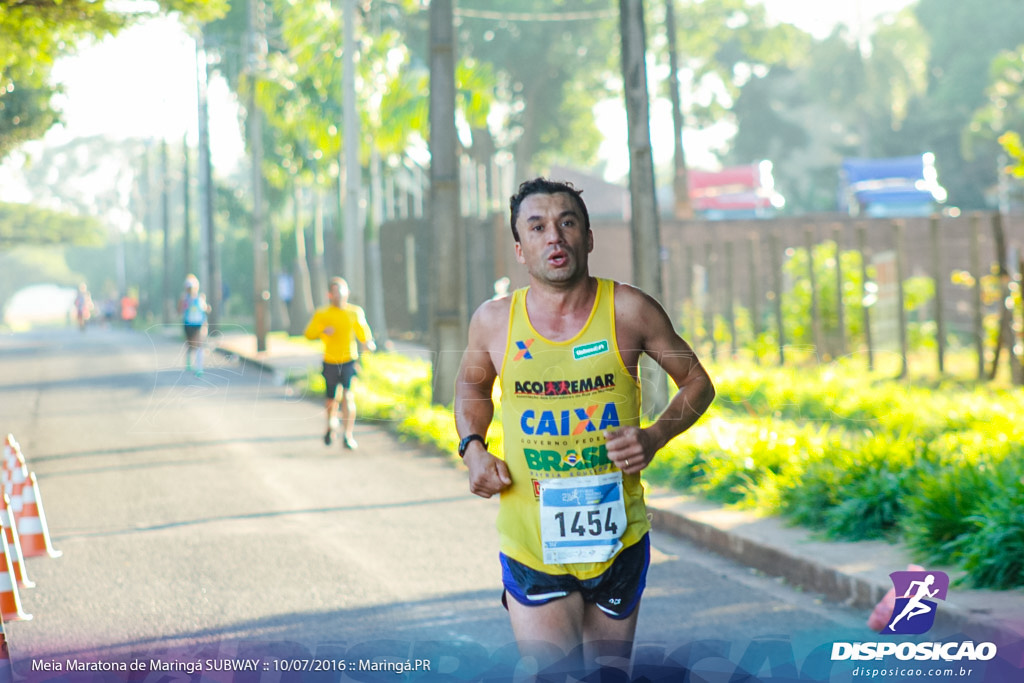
10, 601
14, 488
14, 473
31, 523
14, 544
10, 459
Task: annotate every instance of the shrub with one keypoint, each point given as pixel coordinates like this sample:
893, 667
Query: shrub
872, 490
938, 514
993, 549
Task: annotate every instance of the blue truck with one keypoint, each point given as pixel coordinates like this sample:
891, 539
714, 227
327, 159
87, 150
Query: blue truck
890, 187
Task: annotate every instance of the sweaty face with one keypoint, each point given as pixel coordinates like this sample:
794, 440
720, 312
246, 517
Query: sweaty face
553, 240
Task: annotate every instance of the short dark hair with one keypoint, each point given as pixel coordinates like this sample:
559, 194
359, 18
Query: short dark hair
341, 284
545, 186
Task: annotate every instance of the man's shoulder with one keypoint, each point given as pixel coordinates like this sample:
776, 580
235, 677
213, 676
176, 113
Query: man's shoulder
493, 309
325, 312
490, 319
630, 295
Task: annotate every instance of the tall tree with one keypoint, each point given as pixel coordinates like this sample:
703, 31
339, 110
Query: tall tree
301, 89
35, 33
301, 92
1001, 119
646, 239
724, 44
22, 224
778, 121
721, 47
553, 63
964, 39
845, 95
448, 244
681, 205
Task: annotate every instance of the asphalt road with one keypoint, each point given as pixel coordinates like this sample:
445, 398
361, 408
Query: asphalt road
205, 516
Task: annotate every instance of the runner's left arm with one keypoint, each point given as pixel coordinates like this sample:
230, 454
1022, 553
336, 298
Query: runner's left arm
695, 389
363, 333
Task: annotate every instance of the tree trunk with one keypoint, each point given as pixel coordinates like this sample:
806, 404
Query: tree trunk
317, 272
646, 239
354, 273
302, 300
448, 303
1007, 337
525, 145
682, 208
278, 307
254, 122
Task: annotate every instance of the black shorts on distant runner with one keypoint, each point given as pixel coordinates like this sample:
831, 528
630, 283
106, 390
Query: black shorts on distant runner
193, 333
616, 592
339, 374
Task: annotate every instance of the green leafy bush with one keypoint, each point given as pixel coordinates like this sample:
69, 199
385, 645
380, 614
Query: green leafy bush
938, 515
992, 549
873, 490
858, 458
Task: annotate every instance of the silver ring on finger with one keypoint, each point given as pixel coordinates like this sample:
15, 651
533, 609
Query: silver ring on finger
627, 462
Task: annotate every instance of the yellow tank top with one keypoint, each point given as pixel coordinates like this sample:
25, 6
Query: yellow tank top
557, 398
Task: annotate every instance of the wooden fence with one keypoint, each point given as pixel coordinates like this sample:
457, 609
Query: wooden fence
722, 271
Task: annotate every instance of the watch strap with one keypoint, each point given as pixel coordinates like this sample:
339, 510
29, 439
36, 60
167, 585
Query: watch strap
464, 444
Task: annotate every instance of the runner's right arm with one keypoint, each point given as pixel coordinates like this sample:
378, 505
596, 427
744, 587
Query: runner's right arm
314, 328
474, 407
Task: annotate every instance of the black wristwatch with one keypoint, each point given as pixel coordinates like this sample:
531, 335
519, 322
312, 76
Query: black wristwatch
464, 444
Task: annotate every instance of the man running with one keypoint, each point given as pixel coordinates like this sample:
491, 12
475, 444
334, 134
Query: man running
572, 521
342, 326
83, 306
195, 314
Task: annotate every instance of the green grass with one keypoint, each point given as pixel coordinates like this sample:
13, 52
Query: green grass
934, 464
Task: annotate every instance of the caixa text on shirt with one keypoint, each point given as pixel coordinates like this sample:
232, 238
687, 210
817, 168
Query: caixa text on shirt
572, 422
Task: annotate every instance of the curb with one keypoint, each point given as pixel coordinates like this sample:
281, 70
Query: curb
798, 571
767, 545
855, 573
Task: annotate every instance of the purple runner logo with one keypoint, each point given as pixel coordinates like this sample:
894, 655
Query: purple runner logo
916, 593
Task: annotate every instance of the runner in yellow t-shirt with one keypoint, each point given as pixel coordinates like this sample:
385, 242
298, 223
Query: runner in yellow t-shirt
342, 327
574, 547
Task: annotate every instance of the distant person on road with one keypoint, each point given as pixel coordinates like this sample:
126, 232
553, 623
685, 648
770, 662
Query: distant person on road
109, 309
342, 327
501, 286
129, 308
566, 349
195, 318
83, 306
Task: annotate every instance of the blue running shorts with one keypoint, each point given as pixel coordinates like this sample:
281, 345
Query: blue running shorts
616, 592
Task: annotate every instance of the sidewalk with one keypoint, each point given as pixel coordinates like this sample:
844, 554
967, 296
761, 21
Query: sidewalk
854, 573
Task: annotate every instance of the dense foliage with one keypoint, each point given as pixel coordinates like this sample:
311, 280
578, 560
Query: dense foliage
24, 224
857, 458
35, 33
